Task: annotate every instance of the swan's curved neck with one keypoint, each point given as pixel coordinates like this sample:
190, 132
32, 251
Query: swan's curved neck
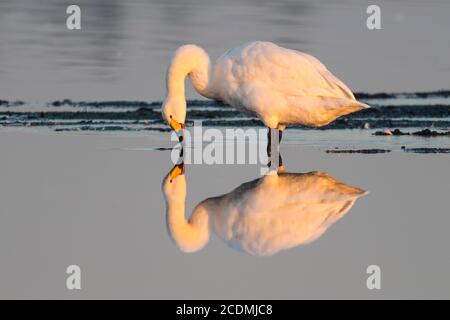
189, 235
192, 61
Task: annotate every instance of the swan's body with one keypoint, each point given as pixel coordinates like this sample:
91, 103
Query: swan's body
281, 86
263, 216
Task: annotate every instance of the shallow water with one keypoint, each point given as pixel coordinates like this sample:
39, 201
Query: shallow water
92, 195
123, 47
96, 200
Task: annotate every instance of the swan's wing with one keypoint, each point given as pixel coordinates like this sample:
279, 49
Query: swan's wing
283, 85
290, 72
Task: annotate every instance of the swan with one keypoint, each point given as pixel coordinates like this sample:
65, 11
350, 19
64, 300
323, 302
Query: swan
280, 86
261, 217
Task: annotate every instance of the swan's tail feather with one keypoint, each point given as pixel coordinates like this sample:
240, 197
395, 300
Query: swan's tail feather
321, 110
362, 105
351, 106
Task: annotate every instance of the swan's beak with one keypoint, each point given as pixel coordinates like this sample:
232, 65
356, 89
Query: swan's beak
177, 170
175, 125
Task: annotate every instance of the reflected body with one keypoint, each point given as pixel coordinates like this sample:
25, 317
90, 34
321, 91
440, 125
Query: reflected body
260, 217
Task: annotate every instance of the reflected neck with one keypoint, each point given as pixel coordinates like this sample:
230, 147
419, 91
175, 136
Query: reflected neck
189, 235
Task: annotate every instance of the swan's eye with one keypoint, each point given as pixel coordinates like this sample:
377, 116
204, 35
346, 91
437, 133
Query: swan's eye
170, 117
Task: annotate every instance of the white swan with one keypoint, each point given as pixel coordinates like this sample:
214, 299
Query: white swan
281, 86
260, 217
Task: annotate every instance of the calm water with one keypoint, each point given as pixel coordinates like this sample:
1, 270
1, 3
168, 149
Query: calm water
122, 49
96, 201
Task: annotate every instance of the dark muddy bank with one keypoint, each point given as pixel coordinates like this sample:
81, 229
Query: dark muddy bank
141, 115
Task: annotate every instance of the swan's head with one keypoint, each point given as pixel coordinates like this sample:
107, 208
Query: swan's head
189, 235
188, 60
174, 184
174, 112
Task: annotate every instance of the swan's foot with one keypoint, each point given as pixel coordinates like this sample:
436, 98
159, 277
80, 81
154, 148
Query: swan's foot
281, 167
280, 164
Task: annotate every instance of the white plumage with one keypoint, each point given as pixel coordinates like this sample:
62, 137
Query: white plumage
281, 86
263, 216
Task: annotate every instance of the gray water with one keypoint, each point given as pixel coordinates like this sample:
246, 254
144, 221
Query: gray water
96, 201
122, 50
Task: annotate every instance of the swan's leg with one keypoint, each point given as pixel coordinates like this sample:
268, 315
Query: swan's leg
182, 143
273, 148
271, 133
280, 160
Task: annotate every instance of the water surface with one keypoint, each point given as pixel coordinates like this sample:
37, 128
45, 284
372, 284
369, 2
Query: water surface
122, 50
96, 201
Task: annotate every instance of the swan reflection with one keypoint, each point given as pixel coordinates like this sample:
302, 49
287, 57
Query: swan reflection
261, 217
